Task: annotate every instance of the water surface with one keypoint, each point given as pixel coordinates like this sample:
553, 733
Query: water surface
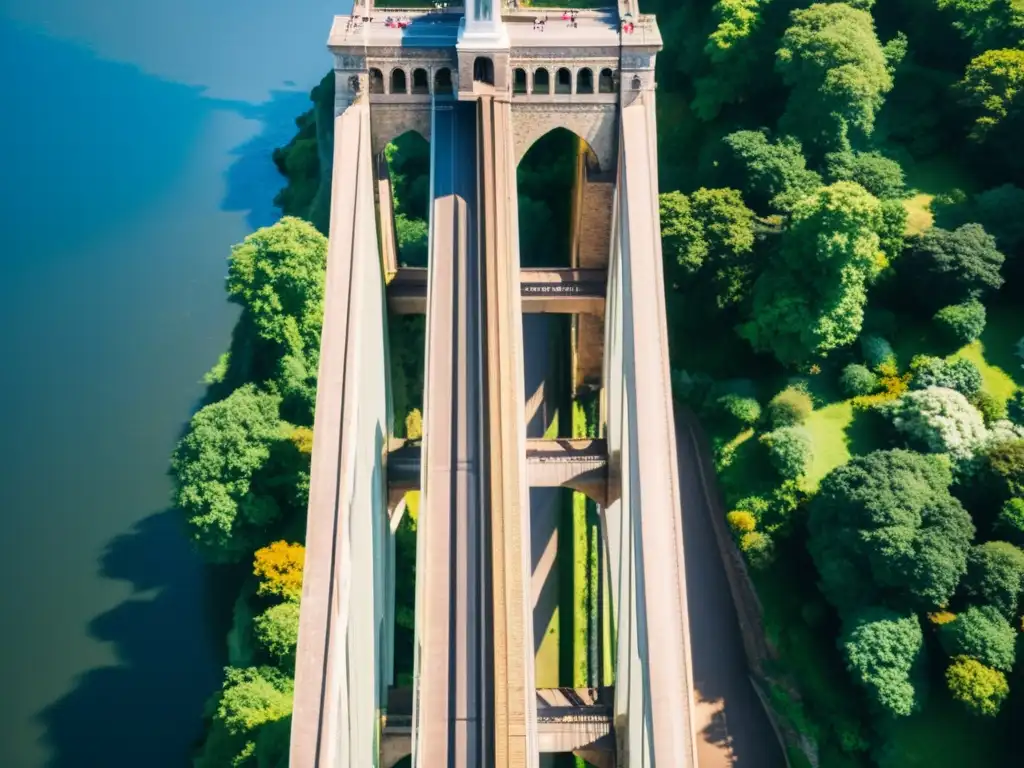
137, 139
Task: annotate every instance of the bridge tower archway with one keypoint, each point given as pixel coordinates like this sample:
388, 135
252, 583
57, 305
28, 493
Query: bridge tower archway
483, 70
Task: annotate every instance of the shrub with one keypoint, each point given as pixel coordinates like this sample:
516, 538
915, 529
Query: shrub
962, 323
790, 450
938, 618
989, 406
414, 424
995, 576
755, 505
877, 351
982, 689
790, 407
1010, 522
1015, 407
758, 548
982, 633
745, 410
939, 419
741, 521
960, 374
858, 380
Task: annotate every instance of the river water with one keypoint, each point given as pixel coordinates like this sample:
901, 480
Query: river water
137, 140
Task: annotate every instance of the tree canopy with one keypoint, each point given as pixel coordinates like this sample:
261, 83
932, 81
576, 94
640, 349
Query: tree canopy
884, 653
952, 267
810, 299
216, 469
278, 567
885, 531
995, 576
771, 174
838, 73
982, 633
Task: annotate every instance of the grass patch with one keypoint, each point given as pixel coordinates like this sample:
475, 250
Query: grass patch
995, 380
919, 213
547, 661
828, 427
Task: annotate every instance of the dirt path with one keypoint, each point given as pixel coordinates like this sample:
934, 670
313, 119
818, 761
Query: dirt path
732, 727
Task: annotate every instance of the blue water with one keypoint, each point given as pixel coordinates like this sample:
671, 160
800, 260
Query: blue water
136, 140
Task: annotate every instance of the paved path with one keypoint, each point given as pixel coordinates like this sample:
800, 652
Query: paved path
732, 727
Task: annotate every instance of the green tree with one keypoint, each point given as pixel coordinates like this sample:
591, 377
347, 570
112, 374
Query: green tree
987, 23
952, 267
884, 652
771, 174
857, 380
215, 469
982, 689
892, 229
711, 230
959, 374
1000, 472
277, 274
810, 300
1011, 521
411, 235
277, 630
790, 450
792, 406
993, 87
838, 73
982, 633
878, 174
884, 530
995, 576
962, 323
251, 702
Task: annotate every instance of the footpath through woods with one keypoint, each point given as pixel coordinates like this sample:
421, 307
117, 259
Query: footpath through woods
733, 729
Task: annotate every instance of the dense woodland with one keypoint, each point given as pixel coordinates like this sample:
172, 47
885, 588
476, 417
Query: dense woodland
843, 196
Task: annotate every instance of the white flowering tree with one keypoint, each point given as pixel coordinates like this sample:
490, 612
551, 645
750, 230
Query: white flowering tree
942, 420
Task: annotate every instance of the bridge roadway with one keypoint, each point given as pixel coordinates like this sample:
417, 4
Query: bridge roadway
452, 672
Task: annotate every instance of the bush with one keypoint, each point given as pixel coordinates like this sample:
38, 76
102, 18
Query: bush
790, 450
755, 505
939, 419
982, 633
1010, 522
1015, 407
982, 689
745, 410
790, 407
758, 548
858, 380
995, 576
877, 351
741, 521
990, 407
960, 374
962, 323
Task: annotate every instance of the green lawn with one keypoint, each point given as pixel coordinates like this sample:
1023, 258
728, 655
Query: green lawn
828, 427
925, 180
547, 661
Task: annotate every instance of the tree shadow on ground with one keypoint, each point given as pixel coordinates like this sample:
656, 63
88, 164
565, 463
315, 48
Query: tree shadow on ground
869, 431
170, 656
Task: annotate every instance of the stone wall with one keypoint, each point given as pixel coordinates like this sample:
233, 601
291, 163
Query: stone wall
594, 123
390, 121
592, 232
